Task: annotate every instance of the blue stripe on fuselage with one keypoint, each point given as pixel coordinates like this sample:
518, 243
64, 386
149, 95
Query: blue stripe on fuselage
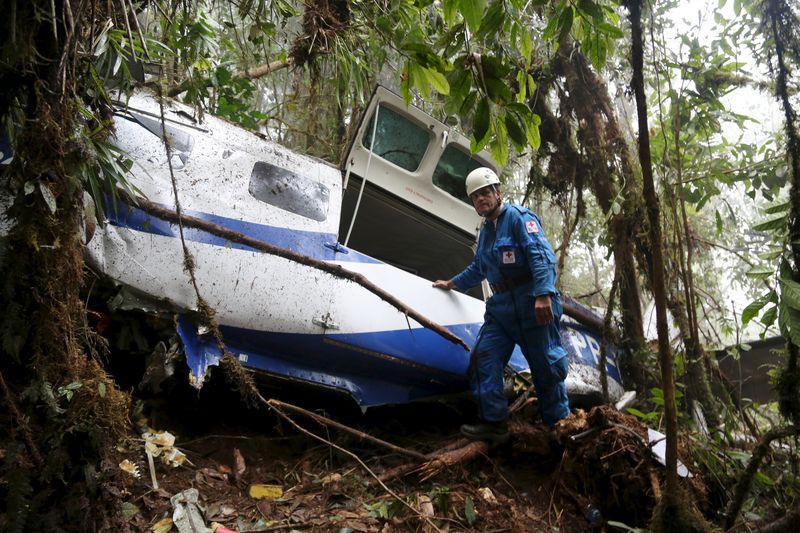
376, 368
308, 243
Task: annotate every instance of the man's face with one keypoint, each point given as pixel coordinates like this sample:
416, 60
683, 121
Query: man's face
484, 200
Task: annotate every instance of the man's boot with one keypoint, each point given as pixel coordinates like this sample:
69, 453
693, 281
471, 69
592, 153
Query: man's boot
494, 432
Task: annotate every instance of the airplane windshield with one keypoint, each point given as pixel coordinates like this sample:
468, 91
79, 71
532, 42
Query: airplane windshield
398, 139
452, 170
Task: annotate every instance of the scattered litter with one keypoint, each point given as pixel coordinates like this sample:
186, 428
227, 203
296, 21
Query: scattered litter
238, 464
152, 467
162, 526
658, 445
186, 514
219, 528
487, 494
131, 468
266, 492
162, 444
219, 509
331, 478
425, 505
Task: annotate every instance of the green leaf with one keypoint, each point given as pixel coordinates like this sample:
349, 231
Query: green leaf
752, 310
534, 138
498, 90
764, 479
525, 46
516, 131
437, 80
635, 412
499, 144
789, 322
127, 509
591, 9
493, 20
612, 31
522, 94
472, 11
719, 223
760, 272
480, 124
419, 80
769, 316
406, 83
565, 22
550, 30
101, 389
772, 224
779, 208
449, 11
469, 511
790, 293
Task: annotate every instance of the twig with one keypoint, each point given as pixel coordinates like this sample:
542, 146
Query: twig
360, 434
333, 269
555, 485
246, 74
286, 417
743, 485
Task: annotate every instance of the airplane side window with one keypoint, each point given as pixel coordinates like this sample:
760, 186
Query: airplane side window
452, 170
289, 191
398, 139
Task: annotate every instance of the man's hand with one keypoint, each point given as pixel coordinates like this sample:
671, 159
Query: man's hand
543, 309
442, 284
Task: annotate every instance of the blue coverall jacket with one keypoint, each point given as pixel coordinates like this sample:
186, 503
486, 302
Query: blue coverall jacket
515, 257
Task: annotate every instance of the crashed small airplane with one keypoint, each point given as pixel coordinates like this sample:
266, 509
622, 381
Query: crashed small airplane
395, 213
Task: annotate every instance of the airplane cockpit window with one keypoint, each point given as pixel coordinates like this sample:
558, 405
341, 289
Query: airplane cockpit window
452, 170
398, 139
289, 191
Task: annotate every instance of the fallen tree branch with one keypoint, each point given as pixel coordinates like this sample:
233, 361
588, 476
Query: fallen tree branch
245, 74
743, 485
338, 271
457, 451
582, 315
283, 415
360, 434
447, 459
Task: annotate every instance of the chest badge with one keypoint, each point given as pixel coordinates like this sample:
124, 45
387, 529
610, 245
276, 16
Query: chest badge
532, 226
508, 258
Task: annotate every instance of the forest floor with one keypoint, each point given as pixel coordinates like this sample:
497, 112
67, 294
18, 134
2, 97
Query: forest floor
256, 471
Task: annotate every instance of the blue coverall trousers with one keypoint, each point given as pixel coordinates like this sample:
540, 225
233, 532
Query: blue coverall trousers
509, 321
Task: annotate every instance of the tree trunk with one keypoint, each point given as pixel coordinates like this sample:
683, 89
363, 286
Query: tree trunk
604, 162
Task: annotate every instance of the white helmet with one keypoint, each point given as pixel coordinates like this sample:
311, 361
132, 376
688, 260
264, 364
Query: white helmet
479, 178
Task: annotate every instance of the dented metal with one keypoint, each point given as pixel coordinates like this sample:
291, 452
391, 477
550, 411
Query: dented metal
404, 215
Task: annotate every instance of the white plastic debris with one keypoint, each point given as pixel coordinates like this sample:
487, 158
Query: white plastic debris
658, 445
130, 467
186, 514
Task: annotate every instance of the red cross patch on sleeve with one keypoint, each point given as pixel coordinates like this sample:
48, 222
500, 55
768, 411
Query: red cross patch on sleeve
508, 258
532, 226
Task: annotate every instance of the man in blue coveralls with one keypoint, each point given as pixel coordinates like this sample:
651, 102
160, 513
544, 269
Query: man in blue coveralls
514, 256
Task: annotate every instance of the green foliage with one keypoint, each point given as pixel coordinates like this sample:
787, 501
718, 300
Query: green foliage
469, 511
385, 509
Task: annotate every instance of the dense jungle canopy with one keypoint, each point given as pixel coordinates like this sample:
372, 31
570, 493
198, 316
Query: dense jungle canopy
630, 126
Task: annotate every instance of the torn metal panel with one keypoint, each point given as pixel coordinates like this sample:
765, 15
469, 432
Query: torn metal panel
403, 209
